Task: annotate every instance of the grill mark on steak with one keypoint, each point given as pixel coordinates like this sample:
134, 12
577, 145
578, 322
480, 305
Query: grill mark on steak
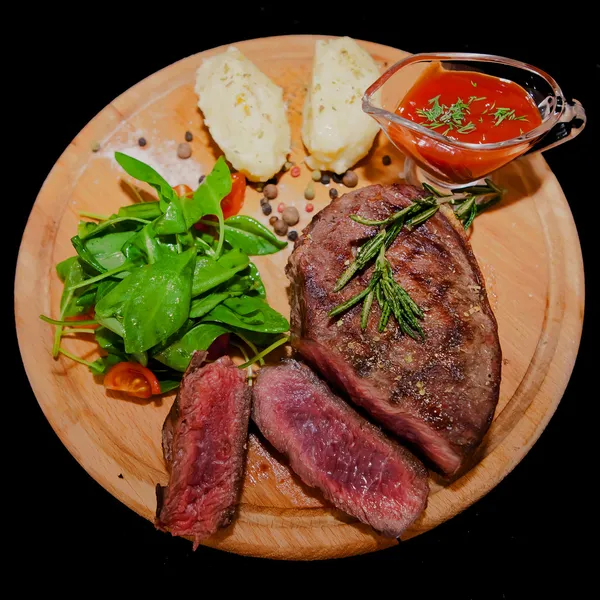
333, 448
439, 394
204, 443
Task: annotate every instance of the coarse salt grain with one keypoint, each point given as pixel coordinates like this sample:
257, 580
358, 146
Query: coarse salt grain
161, 156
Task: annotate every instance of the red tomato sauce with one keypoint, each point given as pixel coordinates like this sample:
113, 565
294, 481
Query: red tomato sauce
492, 109
469, 107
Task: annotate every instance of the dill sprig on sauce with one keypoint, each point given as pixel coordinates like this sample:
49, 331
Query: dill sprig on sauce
455, 116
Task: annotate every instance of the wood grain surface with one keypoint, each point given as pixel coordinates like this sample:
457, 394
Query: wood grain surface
527, 247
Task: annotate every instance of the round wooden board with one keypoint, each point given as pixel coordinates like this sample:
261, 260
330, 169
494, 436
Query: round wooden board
528, 250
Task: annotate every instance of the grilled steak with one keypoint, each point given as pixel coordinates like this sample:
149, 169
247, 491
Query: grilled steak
204, 441
333, 448
439, 394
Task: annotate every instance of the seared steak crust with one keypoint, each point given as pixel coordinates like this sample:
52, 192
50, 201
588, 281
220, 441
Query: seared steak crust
333, 448
440, 394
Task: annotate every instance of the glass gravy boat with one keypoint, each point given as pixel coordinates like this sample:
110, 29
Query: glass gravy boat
449, 163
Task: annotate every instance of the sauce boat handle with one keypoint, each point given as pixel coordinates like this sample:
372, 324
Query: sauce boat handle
571, 124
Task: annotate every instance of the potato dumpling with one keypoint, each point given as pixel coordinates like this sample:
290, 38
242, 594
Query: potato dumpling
335, 130
245, 114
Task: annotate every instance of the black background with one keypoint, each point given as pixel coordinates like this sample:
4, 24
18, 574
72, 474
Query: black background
535, 525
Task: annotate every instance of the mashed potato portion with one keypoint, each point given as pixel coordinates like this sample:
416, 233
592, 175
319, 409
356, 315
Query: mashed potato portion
245, 114
335, 130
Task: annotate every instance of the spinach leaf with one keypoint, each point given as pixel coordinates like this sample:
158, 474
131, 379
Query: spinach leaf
168, 385
72, 273
85, 228
85, 255
173, 219
114, 224
110, 341
248, 312
150, 304
251, 236
262, 340
107, 249
203, 305
87, 299
150, 246
178, 355
209, 273
63, 267
104, 363
147, 174
103, 288
142, 210
248, 282
207, 198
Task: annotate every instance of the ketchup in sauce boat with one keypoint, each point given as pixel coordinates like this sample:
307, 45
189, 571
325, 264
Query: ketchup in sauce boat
465, 106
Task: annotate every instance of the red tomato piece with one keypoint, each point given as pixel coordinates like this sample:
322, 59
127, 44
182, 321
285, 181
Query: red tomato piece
233, 202
133, 379
183, 191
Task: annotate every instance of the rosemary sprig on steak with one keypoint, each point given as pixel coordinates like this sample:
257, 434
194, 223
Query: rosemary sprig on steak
392, 298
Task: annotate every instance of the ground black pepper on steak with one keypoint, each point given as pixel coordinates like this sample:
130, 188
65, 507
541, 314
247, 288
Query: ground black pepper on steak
204, 443
439, 394
333, 448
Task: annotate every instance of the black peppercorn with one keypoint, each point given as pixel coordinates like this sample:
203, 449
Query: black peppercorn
188, 136
267, 209
292, 235
333, 193
325, 179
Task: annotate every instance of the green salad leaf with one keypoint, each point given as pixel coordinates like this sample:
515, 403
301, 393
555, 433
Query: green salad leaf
209, 273
178, 355
143, 172
150, 304
162, 289
251, 236
248, 312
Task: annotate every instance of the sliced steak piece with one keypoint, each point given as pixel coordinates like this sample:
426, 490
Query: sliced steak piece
440, 394
204, 441
333, 448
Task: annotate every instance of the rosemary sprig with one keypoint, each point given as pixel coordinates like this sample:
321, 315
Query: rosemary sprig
365, 254
382, 223
391, 297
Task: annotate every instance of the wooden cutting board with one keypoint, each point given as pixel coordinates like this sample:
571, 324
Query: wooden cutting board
527, 247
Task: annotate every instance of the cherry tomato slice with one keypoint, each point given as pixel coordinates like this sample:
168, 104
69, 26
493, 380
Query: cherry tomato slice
133, 379
232, 203
183, 191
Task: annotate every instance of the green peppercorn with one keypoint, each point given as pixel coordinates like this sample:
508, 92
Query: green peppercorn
309, 192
